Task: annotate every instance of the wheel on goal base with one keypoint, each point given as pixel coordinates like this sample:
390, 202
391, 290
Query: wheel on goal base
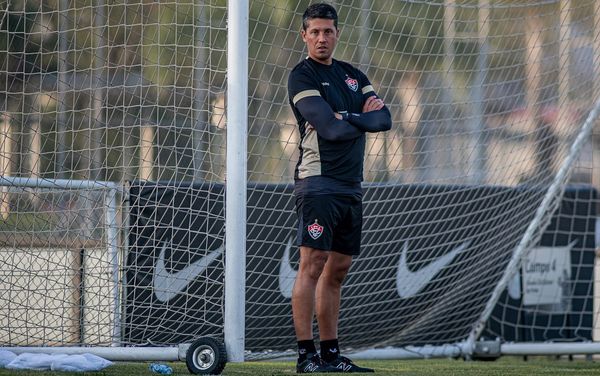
206, 356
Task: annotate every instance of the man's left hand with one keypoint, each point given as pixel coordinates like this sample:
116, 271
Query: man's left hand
373, 104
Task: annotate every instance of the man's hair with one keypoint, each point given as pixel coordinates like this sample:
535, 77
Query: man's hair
320, 10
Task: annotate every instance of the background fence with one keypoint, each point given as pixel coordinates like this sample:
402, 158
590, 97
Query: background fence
483, 93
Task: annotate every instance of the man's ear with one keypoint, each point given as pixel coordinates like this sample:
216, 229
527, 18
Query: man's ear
303, 34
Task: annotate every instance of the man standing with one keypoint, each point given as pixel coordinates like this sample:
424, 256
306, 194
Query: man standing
334, 104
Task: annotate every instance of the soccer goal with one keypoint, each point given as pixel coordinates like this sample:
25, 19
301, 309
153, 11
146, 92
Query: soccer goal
147, 152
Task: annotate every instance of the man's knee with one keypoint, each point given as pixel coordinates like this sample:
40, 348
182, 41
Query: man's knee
336, 269
336, 276
312, 262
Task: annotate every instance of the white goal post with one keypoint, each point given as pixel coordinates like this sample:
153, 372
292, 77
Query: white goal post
235, 195
147, 154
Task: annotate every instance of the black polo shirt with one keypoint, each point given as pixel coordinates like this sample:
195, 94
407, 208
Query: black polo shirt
338, 163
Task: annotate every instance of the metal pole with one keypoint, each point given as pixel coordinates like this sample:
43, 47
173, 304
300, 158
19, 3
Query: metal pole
97, 117
146, 168
236, 179
426, 168
562, 123
199, 135
534, 348
112, 240
377, 143
62, 87
478, 164
132, 354
595, 177
5, 161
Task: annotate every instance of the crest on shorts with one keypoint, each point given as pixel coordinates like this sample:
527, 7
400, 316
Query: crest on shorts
352, 83
315, 230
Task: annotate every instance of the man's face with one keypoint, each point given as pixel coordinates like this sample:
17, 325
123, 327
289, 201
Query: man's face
320, 37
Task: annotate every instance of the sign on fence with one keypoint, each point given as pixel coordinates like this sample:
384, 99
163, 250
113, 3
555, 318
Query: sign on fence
428, 265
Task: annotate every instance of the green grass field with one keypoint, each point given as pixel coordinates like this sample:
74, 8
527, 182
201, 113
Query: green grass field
446, 367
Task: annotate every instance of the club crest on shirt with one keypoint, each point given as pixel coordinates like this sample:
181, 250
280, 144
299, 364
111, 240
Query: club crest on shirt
352, 83
315, 230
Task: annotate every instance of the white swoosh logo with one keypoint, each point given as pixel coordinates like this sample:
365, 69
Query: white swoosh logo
287, 275
410, 283
167, 285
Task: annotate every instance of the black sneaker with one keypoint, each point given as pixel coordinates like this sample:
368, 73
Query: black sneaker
314, 364
344, 364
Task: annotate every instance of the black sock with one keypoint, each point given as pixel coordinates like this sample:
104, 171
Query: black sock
330, 349
304, 348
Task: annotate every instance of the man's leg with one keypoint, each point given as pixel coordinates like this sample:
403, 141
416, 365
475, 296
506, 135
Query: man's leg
329, 291
312, 262
328, 298
315, 230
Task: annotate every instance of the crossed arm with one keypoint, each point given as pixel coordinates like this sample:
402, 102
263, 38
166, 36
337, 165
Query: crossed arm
333, 126
374, 118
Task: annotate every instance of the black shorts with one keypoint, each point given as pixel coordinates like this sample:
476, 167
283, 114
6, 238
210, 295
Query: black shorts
330, 222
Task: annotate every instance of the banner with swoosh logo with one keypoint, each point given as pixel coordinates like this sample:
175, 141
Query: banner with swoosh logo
174, 270
430, 259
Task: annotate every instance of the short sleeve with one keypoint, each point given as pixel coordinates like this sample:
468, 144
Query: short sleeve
365, 84
302, 85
